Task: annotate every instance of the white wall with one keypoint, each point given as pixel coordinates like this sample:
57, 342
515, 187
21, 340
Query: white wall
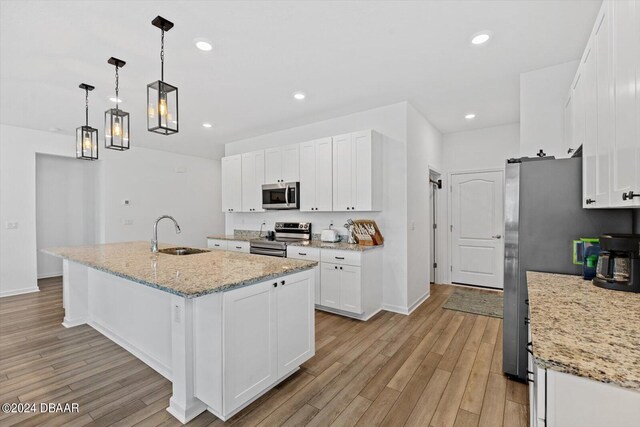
543, 94
424, 150
64, 207
145, 176
486, 148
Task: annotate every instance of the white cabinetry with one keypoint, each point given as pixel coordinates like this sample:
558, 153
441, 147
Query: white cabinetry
357, 171
264, 332
604, 108
282, 164
625, 150
316, 175
309, 254
351, 282
238, 246
252, 180
568, 125
217, 244
232, 183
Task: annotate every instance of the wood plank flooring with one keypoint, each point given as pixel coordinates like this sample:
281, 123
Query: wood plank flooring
436, 367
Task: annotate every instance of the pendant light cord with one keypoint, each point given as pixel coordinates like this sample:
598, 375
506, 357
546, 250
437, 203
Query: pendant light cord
162, 56
117, 81
86, 106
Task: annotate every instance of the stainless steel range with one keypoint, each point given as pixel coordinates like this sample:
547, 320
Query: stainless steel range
285, 232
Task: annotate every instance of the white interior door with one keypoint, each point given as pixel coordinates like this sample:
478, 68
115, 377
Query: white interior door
477, 225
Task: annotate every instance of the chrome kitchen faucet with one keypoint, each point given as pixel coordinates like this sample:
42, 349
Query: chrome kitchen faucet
154, 240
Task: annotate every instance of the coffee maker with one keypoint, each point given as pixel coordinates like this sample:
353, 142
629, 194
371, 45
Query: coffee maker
619, 262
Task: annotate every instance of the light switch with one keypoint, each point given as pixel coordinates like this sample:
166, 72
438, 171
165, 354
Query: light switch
12, 225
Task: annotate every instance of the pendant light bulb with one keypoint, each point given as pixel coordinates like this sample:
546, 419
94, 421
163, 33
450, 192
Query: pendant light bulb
162, 105
117, 129
86, 142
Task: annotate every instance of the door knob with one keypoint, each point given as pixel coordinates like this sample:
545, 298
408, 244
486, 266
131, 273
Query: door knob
497, 236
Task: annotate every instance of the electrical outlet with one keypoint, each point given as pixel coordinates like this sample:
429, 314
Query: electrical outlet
12, 225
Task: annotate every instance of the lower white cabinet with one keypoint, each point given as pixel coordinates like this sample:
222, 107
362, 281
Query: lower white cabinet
309, 254
249, 339
351, 282
228, 245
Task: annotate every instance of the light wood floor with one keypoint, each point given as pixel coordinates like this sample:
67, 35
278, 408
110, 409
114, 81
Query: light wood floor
435, 367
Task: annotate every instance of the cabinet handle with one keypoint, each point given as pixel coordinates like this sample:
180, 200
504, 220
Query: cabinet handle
340, 268
629, 196
526, 301
336, 267
347, 208
282, 283
275, 285
570, 150
302, 253
589, 201
216, 245
238, 247
352, 208
527, 321
339, 257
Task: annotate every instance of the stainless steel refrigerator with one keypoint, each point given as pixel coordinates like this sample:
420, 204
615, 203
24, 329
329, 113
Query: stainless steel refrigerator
543, 215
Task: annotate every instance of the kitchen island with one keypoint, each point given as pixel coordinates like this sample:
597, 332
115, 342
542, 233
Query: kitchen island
584, 353
223, 327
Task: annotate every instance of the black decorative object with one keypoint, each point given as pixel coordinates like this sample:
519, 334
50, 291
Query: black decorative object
162, 98
116, 121
86, 136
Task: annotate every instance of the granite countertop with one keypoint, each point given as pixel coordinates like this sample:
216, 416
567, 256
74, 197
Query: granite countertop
189, 276
233, 237
343, 246
584, 330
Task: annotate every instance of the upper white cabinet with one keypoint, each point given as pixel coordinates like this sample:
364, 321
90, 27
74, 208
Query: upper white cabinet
232, 183
282, 164
357, 171
625, 150
316, 175
568, 125
252, 180
605, 108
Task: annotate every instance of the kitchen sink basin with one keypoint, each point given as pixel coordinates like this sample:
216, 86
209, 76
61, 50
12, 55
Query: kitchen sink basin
182, 251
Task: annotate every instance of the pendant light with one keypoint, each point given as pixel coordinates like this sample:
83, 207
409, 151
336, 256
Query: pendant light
116, 121
86, 136
162, 98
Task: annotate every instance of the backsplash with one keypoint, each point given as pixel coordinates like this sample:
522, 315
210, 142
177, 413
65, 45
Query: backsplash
255, 234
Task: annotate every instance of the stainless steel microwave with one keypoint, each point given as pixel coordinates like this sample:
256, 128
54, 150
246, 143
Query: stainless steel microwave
283, 195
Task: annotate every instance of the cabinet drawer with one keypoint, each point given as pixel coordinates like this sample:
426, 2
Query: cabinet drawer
238, 246
300, 252
217, 244
341, 257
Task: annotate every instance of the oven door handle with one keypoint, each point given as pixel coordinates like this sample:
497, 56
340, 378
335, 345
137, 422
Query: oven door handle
286, 194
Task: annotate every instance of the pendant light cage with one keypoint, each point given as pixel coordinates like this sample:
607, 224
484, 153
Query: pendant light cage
86, 136
162, 98
116, 121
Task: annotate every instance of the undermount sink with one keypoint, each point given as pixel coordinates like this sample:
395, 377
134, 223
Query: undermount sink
182, 251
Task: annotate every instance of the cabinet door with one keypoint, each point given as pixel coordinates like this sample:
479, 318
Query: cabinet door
625, 153
350, 289
342, 173
330, 285
602, 49
252, 180
250, 343
362, 158
272, 165
308, 172
290, 163
295, 324
324, 174
589, 147
232, 183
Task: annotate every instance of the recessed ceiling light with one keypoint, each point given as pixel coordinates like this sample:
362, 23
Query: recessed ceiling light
480, 38
470, 116
203, 44
206, 125
114, 99
299, 96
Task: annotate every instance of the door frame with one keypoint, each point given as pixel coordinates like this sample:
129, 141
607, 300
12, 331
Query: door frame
450, 216
440, 252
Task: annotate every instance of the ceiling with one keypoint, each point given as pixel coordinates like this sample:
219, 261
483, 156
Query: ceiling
346, 56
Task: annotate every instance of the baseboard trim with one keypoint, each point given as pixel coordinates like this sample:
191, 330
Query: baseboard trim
49, 275
149, 360
11, 293
362, 317
419, 302
396, 309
